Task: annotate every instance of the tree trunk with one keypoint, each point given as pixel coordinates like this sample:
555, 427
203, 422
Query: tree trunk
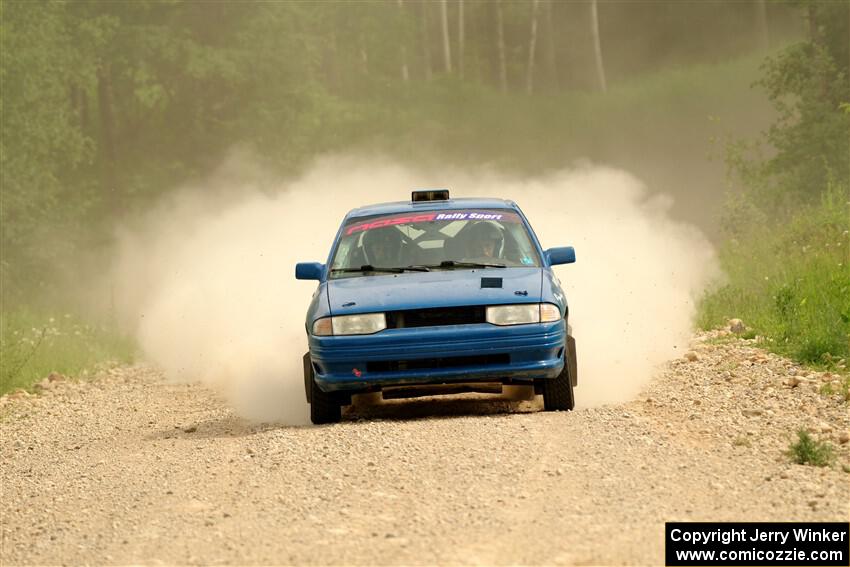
329, 63
426, 43
107, 141
551, 56
444, 24
762, 30
532, 45
597, 46
405, 71
85, 117
500, 35
812, 17
461, 38
77, 96
364, 55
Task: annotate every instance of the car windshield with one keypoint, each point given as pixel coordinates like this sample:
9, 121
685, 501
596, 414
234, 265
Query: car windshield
433, 240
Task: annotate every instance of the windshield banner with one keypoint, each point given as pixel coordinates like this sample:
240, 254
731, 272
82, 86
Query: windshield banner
433, 216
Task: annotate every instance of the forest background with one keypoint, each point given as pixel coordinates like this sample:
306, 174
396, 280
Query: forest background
739, 110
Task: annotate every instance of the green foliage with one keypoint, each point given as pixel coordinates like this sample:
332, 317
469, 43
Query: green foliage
843, 388
472, 124
40, 140
32, 345
789, 280
106, 106
788, 255
809, 85
808, 451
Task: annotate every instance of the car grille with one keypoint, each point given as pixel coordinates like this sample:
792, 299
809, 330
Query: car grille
435, 317
430, 363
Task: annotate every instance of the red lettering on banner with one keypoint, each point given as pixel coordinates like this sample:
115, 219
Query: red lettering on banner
423, 218
380, 223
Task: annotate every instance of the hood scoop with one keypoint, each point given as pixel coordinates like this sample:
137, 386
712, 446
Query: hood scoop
491, 283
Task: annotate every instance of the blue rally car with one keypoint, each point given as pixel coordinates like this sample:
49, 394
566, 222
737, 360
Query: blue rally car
436, 293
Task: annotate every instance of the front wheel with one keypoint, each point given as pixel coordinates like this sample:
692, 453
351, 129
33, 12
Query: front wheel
324, 407
558, 392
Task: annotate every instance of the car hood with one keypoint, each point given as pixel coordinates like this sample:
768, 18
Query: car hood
443, 288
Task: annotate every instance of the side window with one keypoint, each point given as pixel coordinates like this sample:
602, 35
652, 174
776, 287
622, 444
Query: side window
343, 252
518, 247
350, 252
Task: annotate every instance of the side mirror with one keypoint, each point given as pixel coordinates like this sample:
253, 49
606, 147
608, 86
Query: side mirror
560, 255
309, 271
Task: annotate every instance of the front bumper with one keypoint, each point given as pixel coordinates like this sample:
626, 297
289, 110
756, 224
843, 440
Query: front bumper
436, 355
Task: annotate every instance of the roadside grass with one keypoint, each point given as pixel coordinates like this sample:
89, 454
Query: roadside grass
34, 344
809, 451
843, 388
790, 283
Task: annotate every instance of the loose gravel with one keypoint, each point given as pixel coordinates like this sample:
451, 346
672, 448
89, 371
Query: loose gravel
128, 469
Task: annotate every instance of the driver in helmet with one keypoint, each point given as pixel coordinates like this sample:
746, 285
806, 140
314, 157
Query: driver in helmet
485, 240
382, 247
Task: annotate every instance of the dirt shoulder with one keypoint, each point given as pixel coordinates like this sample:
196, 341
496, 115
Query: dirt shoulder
128, 469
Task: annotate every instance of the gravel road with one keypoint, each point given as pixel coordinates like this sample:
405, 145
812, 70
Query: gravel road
127, 469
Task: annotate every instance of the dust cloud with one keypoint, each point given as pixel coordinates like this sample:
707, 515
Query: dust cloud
206, 280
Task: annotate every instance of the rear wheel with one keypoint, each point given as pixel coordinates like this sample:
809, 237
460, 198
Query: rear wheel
558, 392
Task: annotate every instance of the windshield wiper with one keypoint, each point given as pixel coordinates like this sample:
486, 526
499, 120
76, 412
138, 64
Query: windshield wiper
388, 270
367, 268
456, 264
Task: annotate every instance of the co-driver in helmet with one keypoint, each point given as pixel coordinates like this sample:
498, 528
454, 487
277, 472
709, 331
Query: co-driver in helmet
485, 240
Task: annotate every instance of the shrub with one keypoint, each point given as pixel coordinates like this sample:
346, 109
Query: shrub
808, 451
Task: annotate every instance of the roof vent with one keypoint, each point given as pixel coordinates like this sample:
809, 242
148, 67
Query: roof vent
429, 195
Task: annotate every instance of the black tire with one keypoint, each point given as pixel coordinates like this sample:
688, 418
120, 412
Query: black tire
325, 407
308, 376
571, 353
558, 392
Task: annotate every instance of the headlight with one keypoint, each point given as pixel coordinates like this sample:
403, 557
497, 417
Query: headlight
523, 314
364, 324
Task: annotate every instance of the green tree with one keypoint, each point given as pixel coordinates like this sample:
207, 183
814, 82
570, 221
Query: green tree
809, 82
41, 136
